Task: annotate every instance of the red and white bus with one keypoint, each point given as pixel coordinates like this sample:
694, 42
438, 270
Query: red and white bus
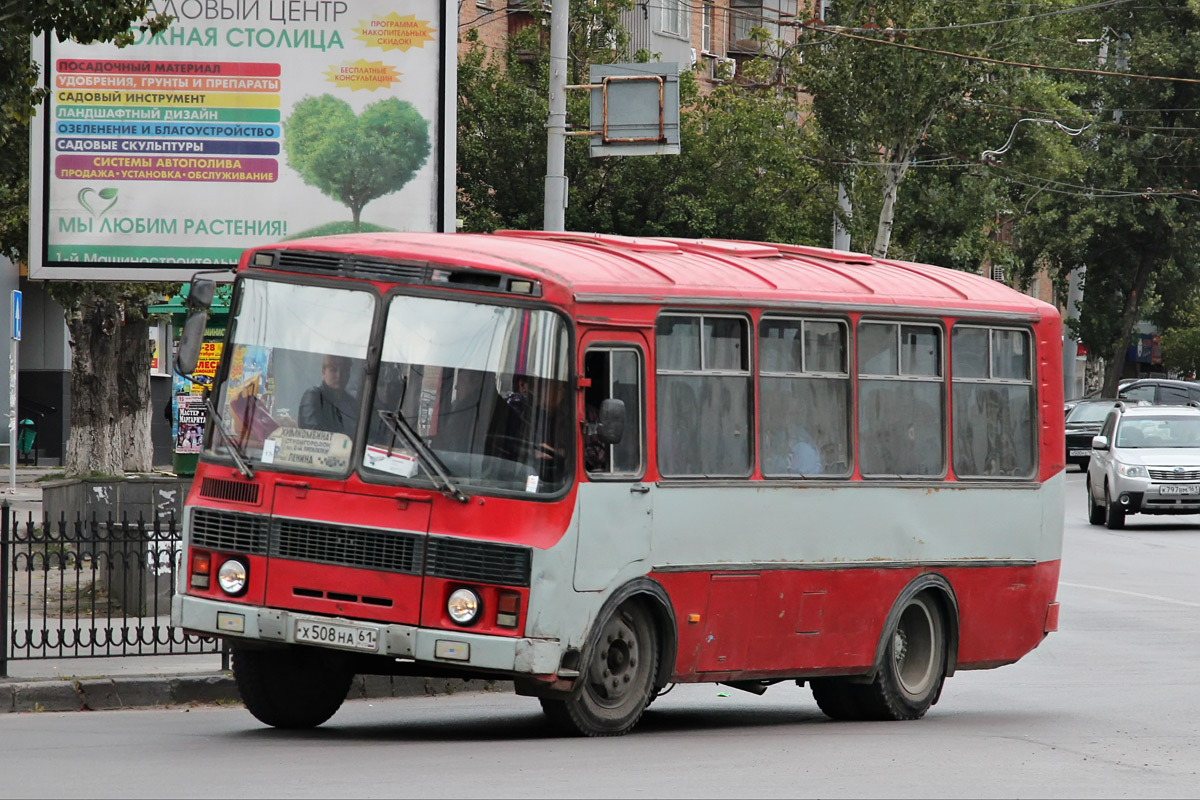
599, 465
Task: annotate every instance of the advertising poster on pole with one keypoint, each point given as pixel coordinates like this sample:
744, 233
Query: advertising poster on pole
189, 432
189, 394
243, 123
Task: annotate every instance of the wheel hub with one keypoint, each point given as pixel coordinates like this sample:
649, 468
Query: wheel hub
615, 662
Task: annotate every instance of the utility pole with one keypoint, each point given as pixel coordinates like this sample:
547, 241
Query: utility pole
1070, 342
554, 217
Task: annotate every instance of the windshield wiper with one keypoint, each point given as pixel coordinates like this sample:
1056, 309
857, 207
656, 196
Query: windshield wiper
239, 457
429, 460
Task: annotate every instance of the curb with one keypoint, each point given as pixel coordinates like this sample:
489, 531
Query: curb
160, 691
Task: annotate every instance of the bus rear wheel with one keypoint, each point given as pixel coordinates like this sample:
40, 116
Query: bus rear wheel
614, 689
908, 680
837, 698
292, 688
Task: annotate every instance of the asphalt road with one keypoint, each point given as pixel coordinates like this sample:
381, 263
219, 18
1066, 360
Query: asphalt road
1107, 707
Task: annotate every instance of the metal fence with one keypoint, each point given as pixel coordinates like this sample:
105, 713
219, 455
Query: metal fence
90, 589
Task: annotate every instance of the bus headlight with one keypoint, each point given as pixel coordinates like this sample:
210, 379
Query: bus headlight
463, 606
231, 577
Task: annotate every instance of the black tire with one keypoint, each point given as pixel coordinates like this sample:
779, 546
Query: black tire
292, 688
615, 687
1114, 518
837, 698
1096, 511
908, 680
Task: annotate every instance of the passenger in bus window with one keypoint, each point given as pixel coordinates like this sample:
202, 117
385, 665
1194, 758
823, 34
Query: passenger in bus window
534, 426
595, 451
461, 426
328, 406
804, 458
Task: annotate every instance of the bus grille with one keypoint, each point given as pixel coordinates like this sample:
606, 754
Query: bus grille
364, 548
233, 491
220, 530
460, 559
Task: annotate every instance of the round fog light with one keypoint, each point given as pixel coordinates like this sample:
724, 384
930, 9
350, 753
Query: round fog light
232, 577
463, 606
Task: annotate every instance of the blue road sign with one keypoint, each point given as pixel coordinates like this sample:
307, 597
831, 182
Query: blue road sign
16, 316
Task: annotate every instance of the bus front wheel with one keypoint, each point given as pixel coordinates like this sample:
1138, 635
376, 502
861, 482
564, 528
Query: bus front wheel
614, 689
292, 688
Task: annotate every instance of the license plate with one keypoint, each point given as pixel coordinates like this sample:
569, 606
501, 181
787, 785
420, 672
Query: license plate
1080, 453
338, 634
1188, 489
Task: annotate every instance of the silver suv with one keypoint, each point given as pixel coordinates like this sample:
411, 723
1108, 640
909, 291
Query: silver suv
1145, 460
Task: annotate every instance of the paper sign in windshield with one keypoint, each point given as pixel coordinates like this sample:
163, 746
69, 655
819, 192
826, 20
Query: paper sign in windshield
312, 449
395, 462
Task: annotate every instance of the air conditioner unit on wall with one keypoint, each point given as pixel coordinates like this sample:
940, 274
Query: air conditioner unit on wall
723, 69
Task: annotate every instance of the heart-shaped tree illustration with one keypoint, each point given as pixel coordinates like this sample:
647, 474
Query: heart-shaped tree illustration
355, 159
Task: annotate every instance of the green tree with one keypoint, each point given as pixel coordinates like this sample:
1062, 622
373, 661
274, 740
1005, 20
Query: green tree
110, 346
356, 159
742, 172
1131, 215
891, 100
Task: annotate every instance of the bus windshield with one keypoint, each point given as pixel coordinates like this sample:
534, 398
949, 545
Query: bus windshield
297, 357
483, 386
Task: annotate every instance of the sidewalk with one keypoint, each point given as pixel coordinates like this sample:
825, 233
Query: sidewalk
94, 684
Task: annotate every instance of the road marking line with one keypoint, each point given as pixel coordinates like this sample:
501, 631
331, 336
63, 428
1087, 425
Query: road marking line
1188, 603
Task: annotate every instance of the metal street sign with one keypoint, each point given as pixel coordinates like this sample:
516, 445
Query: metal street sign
634, 109
16, 315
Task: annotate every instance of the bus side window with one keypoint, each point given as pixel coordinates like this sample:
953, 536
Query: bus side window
615, 374
994, 432
704, 395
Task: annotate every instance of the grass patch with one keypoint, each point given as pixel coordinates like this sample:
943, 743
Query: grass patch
336, 228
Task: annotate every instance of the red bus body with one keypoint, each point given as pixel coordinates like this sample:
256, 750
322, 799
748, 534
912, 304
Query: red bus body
751, 576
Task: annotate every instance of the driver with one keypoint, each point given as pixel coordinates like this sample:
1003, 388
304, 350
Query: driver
328, 406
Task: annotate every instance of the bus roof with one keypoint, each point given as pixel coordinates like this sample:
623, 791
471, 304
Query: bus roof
604, 267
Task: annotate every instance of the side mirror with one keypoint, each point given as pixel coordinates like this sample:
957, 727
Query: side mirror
1099, 442
201, 293
190, 342
611, 419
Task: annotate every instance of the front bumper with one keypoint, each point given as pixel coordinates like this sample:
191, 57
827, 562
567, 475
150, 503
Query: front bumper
511, 656
1148, 497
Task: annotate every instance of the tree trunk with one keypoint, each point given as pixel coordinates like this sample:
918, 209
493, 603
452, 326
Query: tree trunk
94, 444
892, 175
898, 159
1129, 313
133, 396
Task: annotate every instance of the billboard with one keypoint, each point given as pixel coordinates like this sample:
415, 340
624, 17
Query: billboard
245, 122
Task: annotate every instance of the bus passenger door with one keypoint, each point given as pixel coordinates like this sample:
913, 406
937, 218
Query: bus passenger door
615, 504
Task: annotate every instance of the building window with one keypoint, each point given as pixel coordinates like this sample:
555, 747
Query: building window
706, 26
675, 16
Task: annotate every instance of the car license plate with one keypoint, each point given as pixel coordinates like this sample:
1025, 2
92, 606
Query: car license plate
1075, 453
350, 636
1184, 489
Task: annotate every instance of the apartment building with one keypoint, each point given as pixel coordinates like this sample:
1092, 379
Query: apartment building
713, 34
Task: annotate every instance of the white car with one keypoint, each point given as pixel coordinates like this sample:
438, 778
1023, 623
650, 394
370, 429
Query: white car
1145, 460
